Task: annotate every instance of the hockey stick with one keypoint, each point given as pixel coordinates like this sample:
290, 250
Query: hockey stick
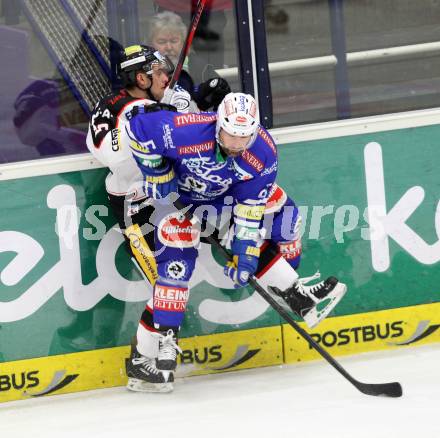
187, 44
393, 389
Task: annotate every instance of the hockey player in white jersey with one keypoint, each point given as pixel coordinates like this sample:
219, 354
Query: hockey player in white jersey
145, 74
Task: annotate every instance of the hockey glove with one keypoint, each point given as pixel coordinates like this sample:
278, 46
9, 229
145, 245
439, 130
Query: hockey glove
209, 94
159, 179
245, 262
167, 95
179, 98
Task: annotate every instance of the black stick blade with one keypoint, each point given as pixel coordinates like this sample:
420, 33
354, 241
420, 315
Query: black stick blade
393, 389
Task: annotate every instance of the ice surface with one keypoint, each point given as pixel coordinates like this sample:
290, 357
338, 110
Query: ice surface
307, 400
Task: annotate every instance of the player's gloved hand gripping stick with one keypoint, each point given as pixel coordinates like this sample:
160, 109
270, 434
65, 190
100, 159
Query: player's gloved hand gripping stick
243, 263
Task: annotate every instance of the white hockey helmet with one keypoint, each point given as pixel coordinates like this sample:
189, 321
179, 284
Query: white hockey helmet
238, 115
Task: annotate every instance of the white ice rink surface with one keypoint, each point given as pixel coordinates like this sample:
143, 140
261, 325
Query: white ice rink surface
307, 400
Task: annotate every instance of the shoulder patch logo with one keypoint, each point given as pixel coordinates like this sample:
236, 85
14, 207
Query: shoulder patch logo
253, 161
193, 119
266, 138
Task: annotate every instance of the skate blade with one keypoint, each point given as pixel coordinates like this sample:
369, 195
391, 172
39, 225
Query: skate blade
315, 316
138, 385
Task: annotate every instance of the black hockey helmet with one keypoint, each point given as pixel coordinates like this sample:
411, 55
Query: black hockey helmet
141, 57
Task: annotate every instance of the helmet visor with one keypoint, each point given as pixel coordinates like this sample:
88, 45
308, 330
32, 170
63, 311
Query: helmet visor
161, 62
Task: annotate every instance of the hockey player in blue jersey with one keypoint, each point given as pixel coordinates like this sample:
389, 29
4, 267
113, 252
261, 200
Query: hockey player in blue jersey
214, 161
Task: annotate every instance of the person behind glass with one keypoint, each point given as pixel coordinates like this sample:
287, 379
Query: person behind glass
208, 36
167, 33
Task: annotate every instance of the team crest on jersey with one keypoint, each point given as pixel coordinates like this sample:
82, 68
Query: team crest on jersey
210, 178
176, 269
194, 184
176, 231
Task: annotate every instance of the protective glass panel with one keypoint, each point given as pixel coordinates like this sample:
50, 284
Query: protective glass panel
59, 58
392, 51
303, 87
51, 77
405, 76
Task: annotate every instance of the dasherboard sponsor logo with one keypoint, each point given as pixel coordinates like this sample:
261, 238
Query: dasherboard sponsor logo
66, 273
356, 335
422, 331
214, 353
17, 381
201, 355
26, 380
387, 223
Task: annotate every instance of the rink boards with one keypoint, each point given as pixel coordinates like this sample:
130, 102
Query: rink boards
106, 367
345, 335
353, 334
71, 298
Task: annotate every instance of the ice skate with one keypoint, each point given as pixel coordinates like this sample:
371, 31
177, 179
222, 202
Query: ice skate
167, 358
313, 303
143, 375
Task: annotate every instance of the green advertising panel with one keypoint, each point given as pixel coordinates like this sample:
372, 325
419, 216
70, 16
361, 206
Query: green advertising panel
370, 217
371, 214
67, 283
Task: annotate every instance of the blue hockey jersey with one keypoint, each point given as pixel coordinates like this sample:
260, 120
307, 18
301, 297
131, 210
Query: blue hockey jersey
204, 175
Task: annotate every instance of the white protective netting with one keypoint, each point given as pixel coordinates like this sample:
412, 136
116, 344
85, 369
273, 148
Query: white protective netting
63, 39
93, 18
